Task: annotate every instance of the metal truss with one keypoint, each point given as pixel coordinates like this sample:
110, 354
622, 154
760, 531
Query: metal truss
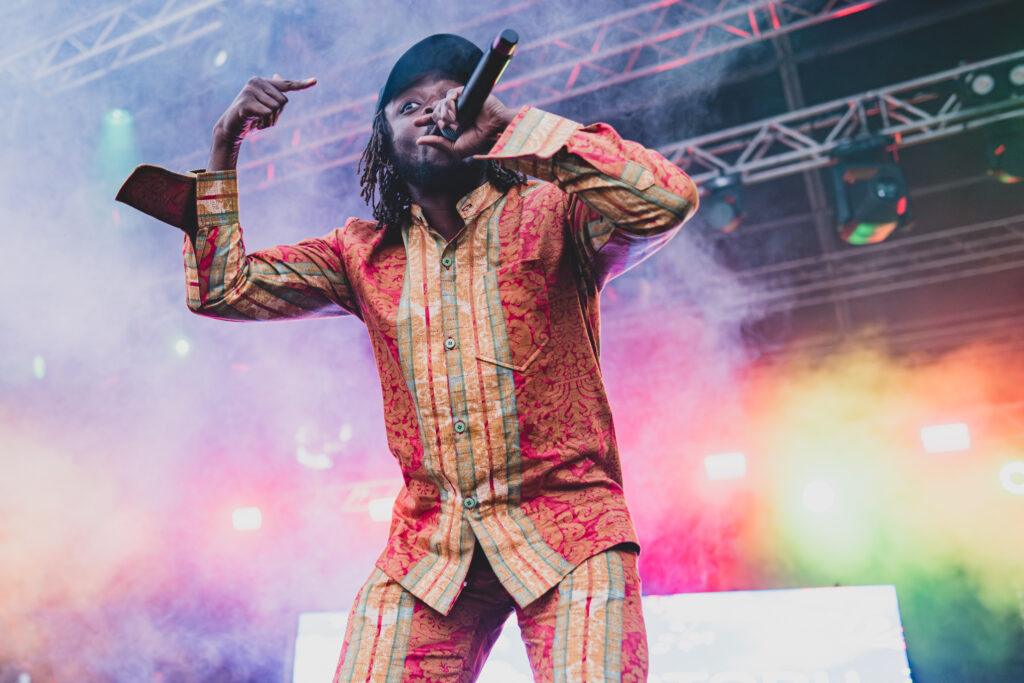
909, 262
929, 259
913, 112
642, 41
112, 39
654, 38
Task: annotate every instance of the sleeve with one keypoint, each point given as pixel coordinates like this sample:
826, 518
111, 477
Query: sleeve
624, 201
304, 280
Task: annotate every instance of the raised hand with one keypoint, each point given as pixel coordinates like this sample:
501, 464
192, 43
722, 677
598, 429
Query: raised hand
258, 105
477, 138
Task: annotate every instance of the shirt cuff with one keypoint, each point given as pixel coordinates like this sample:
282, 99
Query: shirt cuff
216, 198
532, 139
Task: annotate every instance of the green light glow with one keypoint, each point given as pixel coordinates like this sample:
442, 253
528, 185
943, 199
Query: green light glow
118, 151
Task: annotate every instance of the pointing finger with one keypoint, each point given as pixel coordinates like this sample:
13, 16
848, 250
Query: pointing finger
284, 84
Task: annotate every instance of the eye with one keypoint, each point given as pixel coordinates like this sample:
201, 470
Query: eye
407, 107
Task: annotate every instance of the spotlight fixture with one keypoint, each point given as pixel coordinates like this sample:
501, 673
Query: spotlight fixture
870, 193
946, 438
819, 496
992, 84
722, 208
1017, 77
380, 508
1012, 477
1004, 144
725, 466
247, 519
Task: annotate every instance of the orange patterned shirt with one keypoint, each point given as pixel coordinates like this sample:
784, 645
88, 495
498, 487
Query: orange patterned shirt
487, 346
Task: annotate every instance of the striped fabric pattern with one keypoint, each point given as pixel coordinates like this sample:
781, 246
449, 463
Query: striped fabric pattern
587, 629
378, 633
487, 346
588, 634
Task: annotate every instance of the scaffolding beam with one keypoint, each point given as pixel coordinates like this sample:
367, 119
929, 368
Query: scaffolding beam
913, 112
635, 43
110, 40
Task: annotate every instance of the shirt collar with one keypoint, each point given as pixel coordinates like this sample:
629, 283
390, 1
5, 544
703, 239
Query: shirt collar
469, 207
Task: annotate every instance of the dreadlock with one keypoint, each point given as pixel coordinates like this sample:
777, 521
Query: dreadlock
383, 189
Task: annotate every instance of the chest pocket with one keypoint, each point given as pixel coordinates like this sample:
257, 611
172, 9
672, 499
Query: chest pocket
517, 303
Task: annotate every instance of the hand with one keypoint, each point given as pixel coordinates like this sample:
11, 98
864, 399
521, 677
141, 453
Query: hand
257, 106
477, 138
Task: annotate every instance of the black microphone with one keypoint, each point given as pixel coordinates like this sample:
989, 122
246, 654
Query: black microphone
487, 72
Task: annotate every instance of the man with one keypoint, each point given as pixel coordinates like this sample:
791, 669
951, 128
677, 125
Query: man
479, 289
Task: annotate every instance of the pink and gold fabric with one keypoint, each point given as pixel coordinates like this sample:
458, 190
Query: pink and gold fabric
588, 628
487, 347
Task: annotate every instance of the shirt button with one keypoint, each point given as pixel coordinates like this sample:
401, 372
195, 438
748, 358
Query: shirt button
469, 503
460, 426
449, 343
446, 262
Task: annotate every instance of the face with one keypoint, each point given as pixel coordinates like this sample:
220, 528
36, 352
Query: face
427, 168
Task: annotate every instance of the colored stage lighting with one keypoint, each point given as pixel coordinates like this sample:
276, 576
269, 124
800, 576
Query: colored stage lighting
182, 347
118, 152
1005, 148
312, 460
117, 117
380, 508
722, 208
992, 84
1017, 75
726, 466
819, 496
247, 519
1012, 477
39, 367
871, 201
946, 438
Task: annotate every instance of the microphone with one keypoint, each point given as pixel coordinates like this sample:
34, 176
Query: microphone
487, 72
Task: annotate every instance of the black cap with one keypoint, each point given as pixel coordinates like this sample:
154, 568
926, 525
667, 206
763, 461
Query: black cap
452, 55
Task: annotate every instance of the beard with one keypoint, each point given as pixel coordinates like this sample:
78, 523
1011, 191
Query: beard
435, 172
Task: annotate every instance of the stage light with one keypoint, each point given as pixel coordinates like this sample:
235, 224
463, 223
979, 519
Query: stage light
345, 433
819, 496
1017, 75
311, 451
247, 519
380, 508
314, 461
214, 58
182, 347
982, 84
946, 438
118, 150
39, 367
117, 117
992, 84
722, 208
1012, 477
1005, 148
726, 466
871, 201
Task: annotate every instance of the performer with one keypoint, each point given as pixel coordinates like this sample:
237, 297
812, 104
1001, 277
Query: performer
479, 290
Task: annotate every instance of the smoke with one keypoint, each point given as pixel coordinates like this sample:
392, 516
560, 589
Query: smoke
130, 429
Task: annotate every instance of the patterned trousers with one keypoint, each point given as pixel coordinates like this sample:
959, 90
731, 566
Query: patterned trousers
588, 628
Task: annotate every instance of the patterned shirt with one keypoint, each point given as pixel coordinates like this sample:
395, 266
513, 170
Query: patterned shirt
487, 346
